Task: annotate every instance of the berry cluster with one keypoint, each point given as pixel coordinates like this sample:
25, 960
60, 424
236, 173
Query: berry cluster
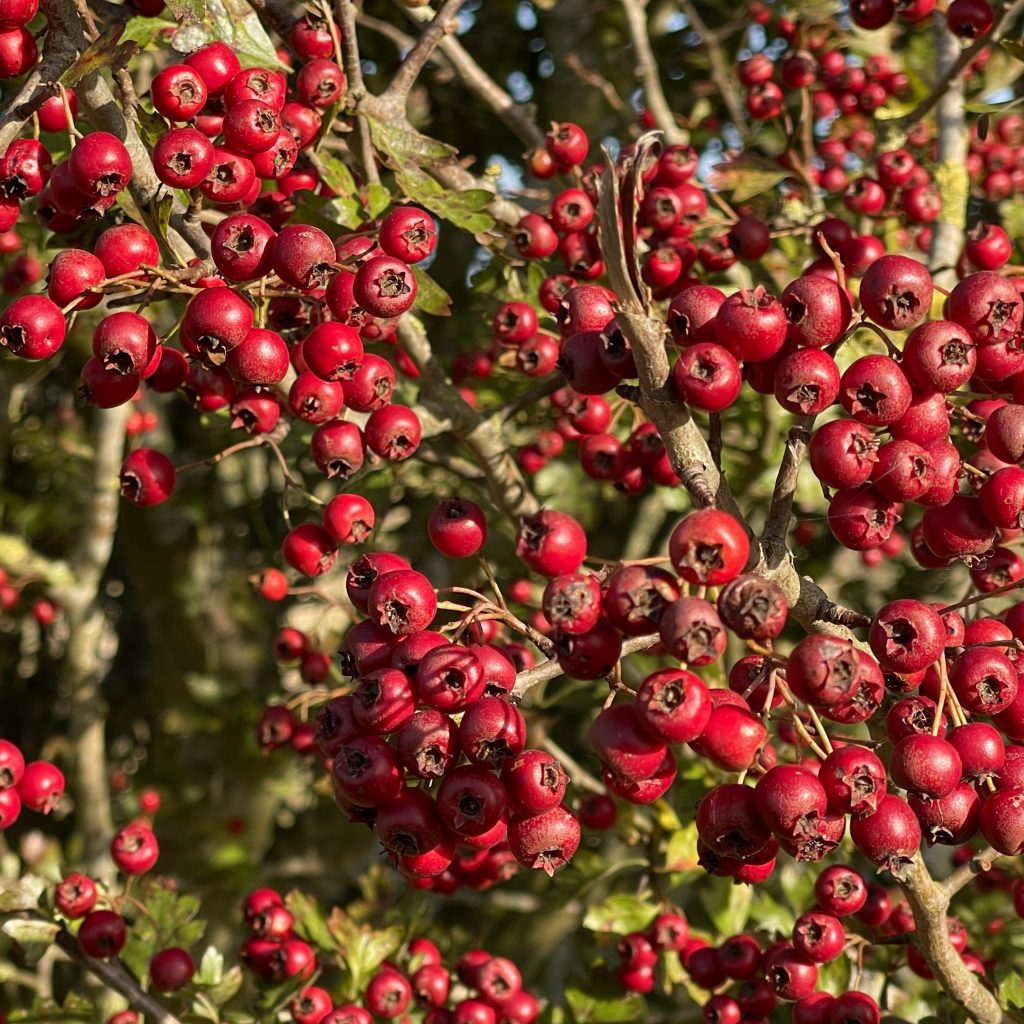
482, 989
445, 706
836, 84
35, 786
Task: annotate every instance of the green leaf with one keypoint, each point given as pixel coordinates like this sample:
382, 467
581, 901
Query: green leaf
463, 209
727, 904
405, 146
430, 296
146, 31
378, 198
326, 213
211, 968
345, 212
309, 922
587, 1007
20, 894
621, 913
747, 176
336, 176
362, 948
233, 22
151, 126
681, 850
104, 53
992, 108
1014, 47
164, 205
406, 153
171, 920
1011, 987
227, 988
187, 10
26, 932
371, 950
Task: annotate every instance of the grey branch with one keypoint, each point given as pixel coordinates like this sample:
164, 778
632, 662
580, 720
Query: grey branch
952, 136
723, 76
685, 445
115, 976
929, 903
91, 638
405, 78
953, 72
780, 511
647, 70
966, 873
513, 115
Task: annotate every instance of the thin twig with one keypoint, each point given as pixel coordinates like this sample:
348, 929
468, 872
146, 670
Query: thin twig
723, 76
647, 71
405, 78
780, 512
966, 873
356, 88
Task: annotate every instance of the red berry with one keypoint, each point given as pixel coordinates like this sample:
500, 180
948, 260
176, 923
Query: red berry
171, 969
41, 786
102, 934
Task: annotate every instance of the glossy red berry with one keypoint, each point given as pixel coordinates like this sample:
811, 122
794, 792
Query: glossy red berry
135, 849
41, 786
545, 841
32, 327
102, 934
320, 83
309, 549
147, 477
171, 969
709, 548
457, 527
178, 92
75, 896
100, 165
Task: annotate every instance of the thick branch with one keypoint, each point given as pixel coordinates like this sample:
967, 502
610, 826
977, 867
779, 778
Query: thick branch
780, 511
117, 978
951, 172
685, 445
356, 88
401, 85
482, 436
647, 70
722, 75
91, 640
954, 72
929, 904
